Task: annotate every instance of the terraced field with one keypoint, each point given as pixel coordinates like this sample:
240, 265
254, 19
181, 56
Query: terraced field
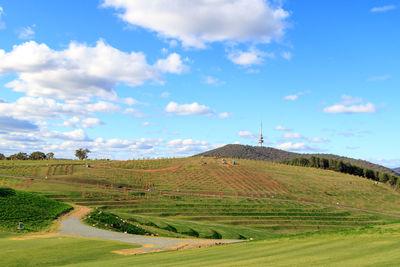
212, 198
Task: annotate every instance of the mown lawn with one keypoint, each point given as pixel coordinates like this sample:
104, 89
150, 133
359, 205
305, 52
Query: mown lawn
378, 246
56, 251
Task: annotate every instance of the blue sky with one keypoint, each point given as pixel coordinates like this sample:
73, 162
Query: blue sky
142, 78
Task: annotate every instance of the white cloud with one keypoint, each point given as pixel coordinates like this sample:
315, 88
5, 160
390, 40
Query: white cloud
248, 58
317, 140
130, 101
2, 24
379, 78
350, 105
72, 122
189, 109
188, 146
295, 147
383, 8
247, 134
282, 128
87, 71
198, 22
172, 64
287, 55
213, 81
90, 122
134, 112
165, 94
145, 124
26, 33
30, 108
293, 136
224, 115
10, 124
291, 97
101, 106
297, 95
76, 135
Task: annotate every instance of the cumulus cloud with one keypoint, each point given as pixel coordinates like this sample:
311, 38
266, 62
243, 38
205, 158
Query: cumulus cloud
383, 8
102, 106
248, 58
9, 124
293, 136
172, 64
198, 22
76, 135
188, 146
134, 112
189, 109
287, 55
31, 108
26, 33
351, 105
79, 72
282, 128
90, 122
247, 134
213, 81
296, 96
2, 24
317, 140
224, 115
295, 147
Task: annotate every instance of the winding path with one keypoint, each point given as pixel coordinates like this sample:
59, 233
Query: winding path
73, 226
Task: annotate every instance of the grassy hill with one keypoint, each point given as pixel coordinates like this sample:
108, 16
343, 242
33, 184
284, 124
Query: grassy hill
297, 209
204, 198
277, 155
35, 211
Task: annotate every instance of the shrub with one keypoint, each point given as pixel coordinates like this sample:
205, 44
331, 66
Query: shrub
5, 192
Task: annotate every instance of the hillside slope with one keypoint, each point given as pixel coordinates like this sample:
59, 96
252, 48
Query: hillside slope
397, 170
277, 155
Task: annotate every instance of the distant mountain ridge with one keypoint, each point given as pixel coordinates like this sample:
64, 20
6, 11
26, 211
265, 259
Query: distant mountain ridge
277, 155
397, 170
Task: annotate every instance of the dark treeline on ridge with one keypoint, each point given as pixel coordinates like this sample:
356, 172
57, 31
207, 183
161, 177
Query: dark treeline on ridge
345, 167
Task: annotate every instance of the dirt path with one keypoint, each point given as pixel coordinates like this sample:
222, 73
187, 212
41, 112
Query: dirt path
73, 226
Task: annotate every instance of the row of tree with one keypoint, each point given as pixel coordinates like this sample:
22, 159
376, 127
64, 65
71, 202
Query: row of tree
345, 167
38, 155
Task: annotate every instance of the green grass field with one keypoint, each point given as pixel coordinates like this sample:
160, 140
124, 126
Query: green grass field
377, 246
204, 198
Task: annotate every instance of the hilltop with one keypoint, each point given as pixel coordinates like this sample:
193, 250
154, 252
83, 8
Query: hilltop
277, 155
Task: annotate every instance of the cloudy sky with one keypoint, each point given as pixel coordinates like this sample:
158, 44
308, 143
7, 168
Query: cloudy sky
155, 78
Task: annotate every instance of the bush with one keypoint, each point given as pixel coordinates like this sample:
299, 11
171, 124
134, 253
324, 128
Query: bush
5, 192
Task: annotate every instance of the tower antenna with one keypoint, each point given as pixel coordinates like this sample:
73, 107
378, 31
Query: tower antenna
261, 139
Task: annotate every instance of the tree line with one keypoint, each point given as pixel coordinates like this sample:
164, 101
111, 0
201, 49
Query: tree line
345, 167
38, 155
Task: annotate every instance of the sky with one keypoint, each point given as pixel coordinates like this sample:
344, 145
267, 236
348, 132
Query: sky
153, 78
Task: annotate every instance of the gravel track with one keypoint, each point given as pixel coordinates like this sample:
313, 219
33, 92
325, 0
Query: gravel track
73, 226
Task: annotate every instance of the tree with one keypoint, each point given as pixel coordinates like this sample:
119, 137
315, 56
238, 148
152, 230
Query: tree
37, 155
82, 153
2, 156
50, 155
19, 156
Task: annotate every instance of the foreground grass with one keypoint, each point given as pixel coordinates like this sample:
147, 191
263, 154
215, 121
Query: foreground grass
378, 246
56, 251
